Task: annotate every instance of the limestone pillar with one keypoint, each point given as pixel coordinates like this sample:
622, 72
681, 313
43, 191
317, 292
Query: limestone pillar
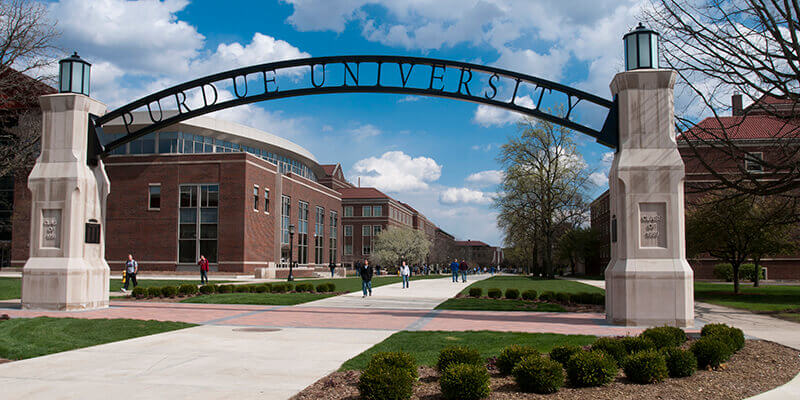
64, 272
648, 281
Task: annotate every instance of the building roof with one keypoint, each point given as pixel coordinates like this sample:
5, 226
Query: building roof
25, 91
362, 193
471, 243
749, 127
329, 168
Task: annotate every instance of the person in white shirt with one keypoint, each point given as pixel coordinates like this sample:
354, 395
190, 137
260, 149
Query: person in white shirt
405, 272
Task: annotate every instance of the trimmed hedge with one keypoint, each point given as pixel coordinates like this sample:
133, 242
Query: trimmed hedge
724, 271
154, 292
465, 382
169, 291
647, 366
562, 297
561, 354
529, 294
225, 289
612, 347
326, 287
733, 336
711, 351
279, 287
139, 292
591, 368
241, 288
395, 359
537, 374
475, 292
512, 294
665, 336
187, 289
458, 355
636, 344
680, 363
261, 289
494, 293
207, 289
304, 287
511, 355
547, 296
386, 382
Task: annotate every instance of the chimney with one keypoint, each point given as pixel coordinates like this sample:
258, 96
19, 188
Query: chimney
736, 103
359, 181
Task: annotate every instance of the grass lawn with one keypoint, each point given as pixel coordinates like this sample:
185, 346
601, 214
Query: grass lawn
764, 298
425, 346
272, 299
470, 303
349, 285
22, 338
10, 288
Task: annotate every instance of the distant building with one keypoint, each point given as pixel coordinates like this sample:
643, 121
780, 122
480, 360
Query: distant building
478, 254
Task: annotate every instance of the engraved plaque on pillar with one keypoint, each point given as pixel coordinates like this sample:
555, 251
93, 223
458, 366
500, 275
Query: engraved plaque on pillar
51, 228
653, 226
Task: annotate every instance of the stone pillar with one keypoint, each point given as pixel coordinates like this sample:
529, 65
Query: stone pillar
63, 271
648, 281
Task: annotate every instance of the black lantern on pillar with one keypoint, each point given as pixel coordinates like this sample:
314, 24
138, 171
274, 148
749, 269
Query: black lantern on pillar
73, 76
641, 48
291, 258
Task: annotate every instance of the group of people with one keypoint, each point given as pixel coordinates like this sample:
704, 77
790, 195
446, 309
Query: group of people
132, 268
366, 272
456, 267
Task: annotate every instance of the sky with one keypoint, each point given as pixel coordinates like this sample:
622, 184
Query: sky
439, 155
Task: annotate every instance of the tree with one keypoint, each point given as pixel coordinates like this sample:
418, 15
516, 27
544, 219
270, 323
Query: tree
774, 235
578, 245
721, 47
394, 245
544, 188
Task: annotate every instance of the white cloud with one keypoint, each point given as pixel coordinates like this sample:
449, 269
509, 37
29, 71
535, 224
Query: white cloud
395, 171
608, 158
409, 99
485, 178
488, 116
599, 178
465, 196
365, 131
261, 49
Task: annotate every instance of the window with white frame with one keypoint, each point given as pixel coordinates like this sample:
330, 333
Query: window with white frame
348, 230
319, 235
377, 211
266, 201
366, 211
348, 249
302, 233
154, 196
286, 205
255, 197
348, 211
334, 222
752, 162
197, 219
366, 230
376, 230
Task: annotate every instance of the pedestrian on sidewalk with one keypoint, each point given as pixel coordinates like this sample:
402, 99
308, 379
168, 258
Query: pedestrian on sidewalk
366, 279
463, 267
454, 269
405, 273
203, 263
332, 266
131, 269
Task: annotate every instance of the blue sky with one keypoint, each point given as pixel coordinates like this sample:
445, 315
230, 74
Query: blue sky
439, 155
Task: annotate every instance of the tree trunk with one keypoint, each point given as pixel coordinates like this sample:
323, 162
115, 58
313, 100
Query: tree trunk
735, 268
757, 262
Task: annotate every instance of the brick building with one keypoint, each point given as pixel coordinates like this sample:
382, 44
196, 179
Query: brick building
477, 253
766, 130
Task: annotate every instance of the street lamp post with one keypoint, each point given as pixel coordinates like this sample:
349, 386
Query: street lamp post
291, 258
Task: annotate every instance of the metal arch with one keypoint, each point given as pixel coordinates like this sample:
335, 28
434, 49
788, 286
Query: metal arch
351, 83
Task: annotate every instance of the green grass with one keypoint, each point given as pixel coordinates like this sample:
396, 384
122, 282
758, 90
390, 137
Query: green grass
349, 285
10, 288
272, 299
766, 298
524, 283
22, 338
469, 303
425, 346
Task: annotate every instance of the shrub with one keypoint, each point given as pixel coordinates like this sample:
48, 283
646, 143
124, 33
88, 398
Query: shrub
547, 296
395, 359
563, 297
598, 299
225, 289
680, 363
746, 272
582, 298
612, 347
278, 288
539, 375
647, 366
169, 291
665, 336
139, 292
457, 355
260, 289
723, 272
636, 344
465, 382
304, 287
207, 289
289, 287
512, 294
561, 354
154, 292
187, 289
331, 287
385, 382
591, 368
475, 292
511, 355
242, 289
710, 351
494, 293
733, 336
529, 294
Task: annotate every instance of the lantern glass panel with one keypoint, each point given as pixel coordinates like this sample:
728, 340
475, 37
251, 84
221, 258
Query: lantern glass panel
64, 78
86, 70
654, 51
630, 55
77, 78
644, 50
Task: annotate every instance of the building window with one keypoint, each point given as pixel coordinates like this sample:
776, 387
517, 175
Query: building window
319, 235
255, 197
366, 230
366, 211
376, 230
334, 223
198, 218
302, 232
377, 211
348, 230
348, 211
154, 196
366, 248
266, 201
286, 205
752, 162
348, 249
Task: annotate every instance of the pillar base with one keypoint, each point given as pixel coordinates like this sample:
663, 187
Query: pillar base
650, 292
64, 284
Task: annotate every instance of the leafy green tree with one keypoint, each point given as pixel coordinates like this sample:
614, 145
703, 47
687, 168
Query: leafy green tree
775, 235
394, 245
578, 245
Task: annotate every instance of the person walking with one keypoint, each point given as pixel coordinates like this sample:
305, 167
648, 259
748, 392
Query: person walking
332, 266
203, 263
405, 273
131, 269
463, 267
366, 279
454, 269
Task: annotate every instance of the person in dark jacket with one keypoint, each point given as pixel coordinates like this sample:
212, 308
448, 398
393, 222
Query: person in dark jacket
203, 263
332, 267
454, 269
366, 279
463, 267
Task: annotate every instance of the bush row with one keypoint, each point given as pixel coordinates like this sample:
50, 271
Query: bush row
560, 297
724, 272
190, 290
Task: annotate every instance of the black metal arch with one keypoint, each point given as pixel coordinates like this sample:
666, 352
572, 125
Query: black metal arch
352, 82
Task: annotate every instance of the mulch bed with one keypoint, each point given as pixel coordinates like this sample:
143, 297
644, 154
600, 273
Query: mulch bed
758, 367
570, 307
